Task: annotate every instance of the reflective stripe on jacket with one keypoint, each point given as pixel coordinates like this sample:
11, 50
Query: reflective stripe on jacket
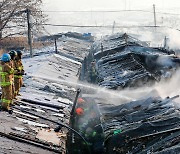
18, 76
5, 101
6, 75
18, 68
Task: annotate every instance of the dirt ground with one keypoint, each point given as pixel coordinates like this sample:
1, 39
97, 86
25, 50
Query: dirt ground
8, 146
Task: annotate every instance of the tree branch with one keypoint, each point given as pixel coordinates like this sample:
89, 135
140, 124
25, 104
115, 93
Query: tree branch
11, 14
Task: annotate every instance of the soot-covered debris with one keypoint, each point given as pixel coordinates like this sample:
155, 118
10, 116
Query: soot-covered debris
121, 61
149, 124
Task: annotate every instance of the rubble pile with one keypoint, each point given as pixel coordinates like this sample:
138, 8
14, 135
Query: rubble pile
42, 119
123, 61
147, 124
144, 126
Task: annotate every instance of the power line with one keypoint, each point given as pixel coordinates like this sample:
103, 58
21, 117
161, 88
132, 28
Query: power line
89, 11
109, 11
167, 13
94, 26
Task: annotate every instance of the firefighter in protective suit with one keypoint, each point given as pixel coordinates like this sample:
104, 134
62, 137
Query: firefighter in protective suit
93, 72
18, 73
6, 77
13, 55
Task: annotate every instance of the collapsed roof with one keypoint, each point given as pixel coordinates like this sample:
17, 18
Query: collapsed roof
122, 61
148, 124
142, 126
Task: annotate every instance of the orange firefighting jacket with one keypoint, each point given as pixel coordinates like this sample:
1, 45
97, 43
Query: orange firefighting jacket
19, 70
6, 74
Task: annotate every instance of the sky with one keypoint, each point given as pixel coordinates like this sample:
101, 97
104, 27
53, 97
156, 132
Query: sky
67, 5
53, 7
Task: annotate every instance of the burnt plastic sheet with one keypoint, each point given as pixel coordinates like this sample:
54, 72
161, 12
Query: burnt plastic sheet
164, 143
141, 126
124, 109
172, 150
145, 115
122, 143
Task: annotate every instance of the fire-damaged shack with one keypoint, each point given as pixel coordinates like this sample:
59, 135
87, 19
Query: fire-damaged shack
123, 61
149, 124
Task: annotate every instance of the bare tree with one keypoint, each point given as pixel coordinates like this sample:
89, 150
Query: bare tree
13, 18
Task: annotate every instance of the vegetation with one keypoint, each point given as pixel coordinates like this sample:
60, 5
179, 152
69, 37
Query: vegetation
13, 17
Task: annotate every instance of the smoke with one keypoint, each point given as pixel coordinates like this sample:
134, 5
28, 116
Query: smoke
169, 88
174, 39
164, 88
164, 61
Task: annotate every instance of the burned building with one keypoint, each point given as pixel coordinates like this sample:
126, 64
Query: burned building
123, 61
149, 124
46, 120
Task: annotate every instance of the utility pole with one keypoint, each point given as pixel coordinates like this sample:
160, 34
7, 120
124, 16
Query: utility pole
125, 4
165, 42
55, 43
101, 47
154, 9
29, 32
113, 27
0, 27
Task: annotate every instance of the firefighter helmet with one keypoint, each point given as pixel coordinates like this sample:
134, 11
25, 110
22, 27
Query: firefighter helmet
13, 54
5, 57
80, 100
19, 52
79, 111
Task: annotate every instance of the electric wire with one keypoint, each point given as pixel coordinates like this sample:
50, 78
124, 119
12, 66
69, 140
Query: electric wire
108, 11
94, 26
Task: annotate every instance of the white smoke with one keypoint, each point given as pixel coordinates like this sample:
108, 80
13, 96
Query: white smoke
163, 89
164, 61
171, 87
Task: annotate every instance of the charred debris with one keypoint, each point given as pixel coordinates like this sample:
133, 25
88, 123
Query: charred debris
123, 61
44, 119
149, 124
46, 100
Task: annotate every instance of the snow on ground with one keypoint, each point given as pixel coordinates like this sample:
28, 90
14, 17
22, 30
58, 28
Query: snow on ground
53, 76
50, 78
49, 75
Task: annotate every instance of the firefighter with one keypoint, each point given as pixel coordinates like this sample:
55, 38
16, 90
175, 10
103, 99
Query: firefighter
18, 73
79, 111
6, 75
80, 101
13, 55
93, 73
80, 106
